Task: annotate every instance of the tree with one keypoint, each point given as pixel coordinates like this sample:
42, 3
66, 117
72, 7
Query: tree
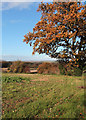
61, 32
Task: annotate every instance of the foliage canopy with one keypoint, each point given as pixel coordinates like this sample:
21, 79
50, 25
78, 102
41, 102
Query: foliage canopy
61, 32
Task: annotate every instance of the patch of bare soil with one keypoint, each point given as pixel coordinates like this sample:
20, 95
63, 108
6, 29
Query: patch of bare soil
3, 69
33, 71
41, 79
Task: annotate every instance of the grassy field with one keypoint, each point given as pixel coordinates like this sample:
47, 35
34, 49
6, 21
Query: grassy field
42, 96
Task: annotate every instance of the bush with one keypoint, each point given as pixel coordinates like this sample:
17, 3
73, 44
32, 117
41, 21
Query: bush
48, 68
77, 72
27, 69
19, 67
69, 70
6, 64
33, 64
62, 69
74, 71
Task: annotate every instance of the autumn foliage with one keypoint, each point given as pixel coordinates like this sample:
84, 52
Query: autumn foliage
61, 32
19, 67
48, 68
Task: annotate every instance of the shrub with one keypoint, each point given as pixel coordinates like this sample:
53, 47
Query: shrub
6, 64
19, 67
77, 72
33, 64
27, 69
69, 70
74, 71
62, 69
48, 68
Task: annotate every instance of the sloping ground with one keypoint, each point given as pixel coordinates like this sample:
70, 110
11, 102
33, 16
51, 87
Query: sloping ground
43, 96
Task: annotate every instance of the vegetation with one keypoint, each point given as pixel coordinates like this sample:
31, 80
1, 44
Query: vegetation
69, 70
42, 96
19, 67
58, 67
7, 79
48, 68
61, 32
5, 64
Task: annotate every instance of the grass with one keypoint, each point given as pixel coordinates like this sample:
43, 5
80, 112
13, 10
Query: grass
42, 96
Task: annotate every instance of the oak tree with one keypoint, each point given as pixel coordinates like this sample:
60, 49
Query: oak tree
61, 32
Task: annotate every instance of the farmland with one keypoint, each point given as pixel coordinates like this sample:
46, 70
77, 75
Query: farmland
42, 96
